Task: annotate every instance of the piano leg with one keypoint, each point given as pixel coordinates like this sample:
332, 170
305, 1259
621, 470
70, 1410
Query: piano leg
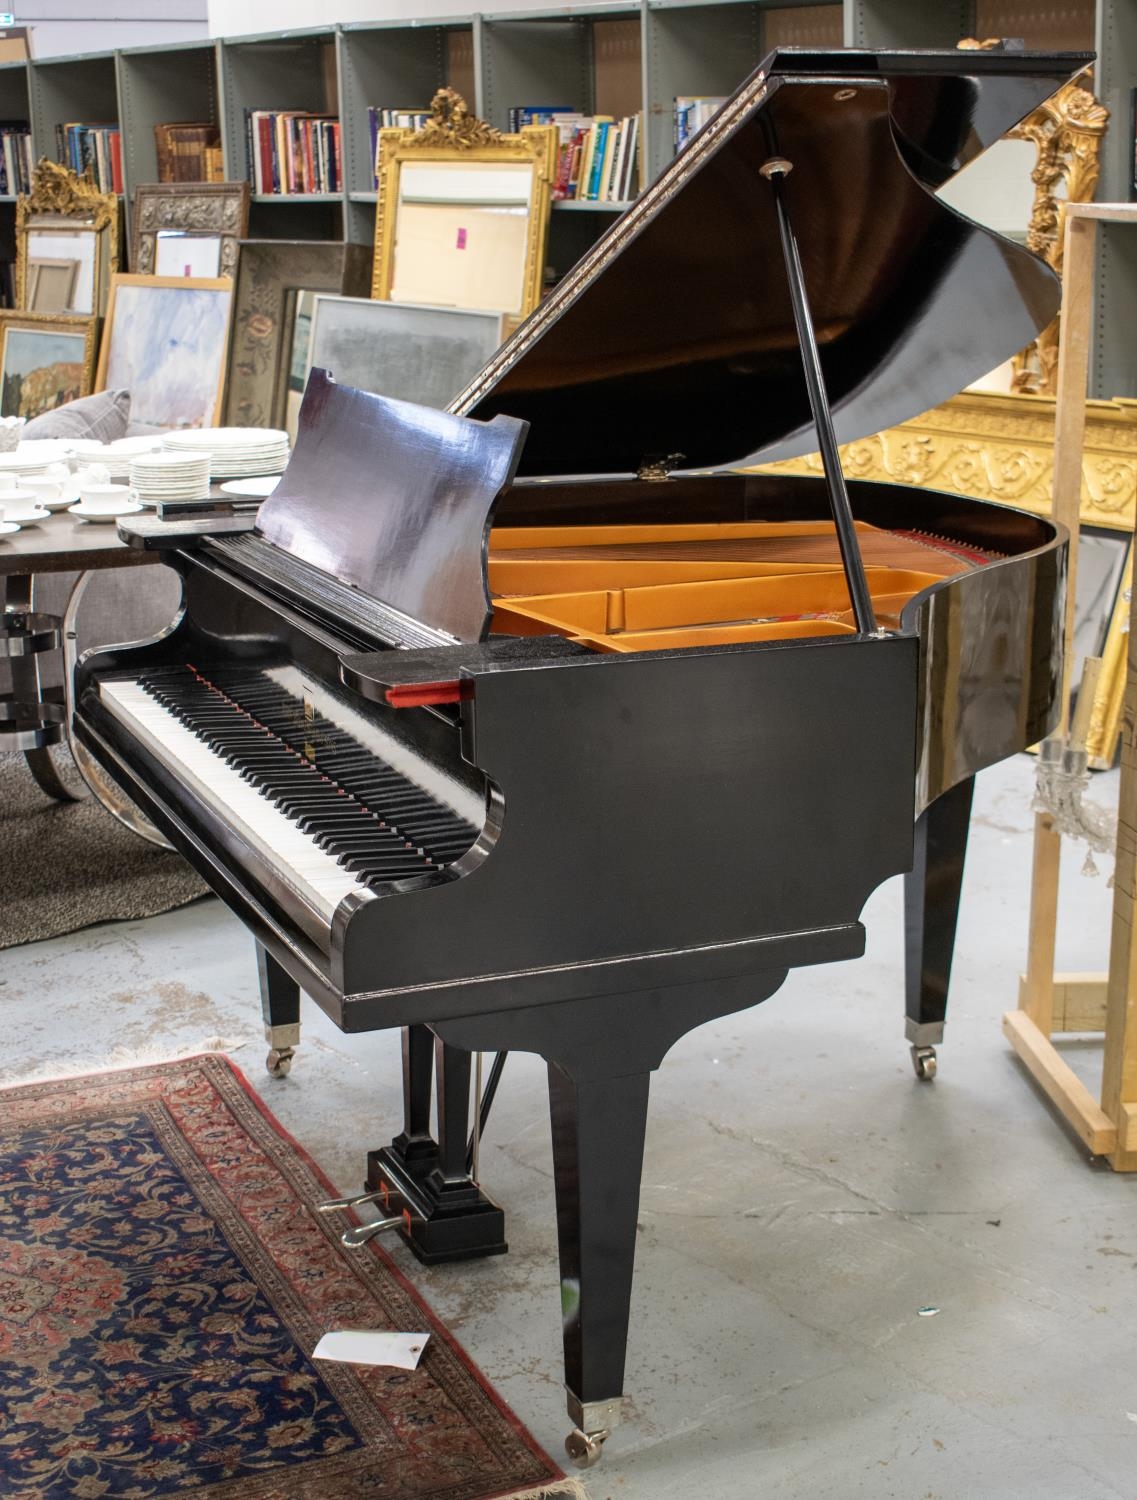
601, 1051
451, 1218
280, 1005
931, 910
598, 1144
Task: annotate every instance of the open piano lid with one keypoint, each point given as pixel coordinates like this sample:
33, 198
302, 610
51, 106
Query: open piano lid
674, 335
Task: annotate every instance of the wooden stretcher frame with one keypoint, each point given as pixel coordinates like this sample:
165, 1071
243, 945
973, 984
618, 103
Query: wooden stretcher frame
1051, 1003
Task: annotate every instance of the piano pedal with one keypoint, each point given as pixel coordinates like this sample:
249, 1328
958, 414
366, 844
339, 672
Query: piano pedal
447, 1221
924, 1062
362, 1234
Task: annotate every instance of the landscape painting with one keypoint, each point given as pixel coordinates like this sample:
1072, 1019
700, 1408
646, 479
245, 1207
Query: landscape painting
165, 343
42, 367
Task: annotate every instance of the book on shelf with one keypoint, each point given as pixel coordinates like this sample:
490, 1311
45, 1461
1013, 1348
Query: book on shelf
15, 158
182, 147
597, 157
692, 111
98, 147
379, 118
293, 151
536, 114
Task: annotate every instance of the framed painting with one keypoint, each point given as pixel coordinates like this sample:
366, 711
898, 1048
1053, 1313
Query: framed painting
412, 353
462, 217
46, 359
64, 219
272, 276
166, 342
51, 285
216, 212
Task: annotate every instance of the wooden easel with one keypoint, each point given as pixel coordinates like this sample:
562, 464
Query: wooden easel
1049, 1002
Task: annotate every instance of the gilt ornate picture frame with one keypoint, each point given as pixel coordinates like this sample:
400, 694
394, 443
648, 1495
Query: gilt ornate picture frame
46, 360
462, 217
65, 217
210, 210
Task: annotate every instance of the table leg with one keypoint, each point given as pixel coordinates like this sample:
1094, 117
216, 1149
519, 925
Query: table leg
26, 688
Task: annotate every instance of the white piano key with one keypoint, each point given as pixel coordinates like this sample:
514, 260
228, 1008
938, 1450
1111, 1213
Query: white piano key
316, 877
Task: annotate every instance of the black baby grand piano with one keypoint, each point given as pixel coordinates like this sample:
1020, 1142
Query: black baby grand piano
572, 764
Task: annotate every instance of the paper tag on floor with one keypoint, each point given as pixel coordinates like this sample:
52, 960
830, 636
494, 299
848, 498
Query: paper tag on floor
369, 1346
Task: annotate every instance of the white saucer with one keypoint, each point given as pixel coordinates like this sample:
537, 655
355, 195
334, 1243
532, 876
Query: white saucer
103, 515
8, 528
61, 502
262, 486
31, 516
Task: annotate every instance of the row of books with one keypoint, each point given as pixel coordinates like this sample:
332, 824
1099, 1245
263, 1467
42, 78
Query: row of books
597, 159
597, 155
96, 146
15, 158
391, 119
293, 151
692, 111
188, 151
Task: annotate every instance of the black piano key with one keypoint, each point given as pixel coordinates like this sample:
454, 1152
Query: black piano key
376, 821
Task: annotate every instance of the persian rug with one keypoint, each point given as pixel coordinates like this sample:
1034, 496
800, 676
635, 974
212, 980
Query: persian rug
163, 1282
69, 865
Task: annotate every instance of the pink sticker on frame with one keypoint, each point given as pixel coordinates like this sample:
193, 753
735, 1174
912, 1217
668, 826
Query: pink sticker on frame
461, 239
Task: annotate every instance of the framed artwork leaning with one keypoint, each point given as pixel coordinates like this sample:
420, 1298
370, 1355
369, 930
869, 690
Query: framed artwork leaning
272, 277
462, 217
166, 341
214, 213
68, 229
46, 359
421, 354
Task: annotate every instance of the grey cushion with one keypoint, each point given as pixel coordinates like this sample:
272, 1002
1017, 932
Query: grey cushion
103, 417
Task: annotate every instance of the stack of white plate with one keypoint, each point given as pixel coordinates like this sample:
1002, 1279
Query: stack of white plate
170, 476
115, 457
235, 451
18, 462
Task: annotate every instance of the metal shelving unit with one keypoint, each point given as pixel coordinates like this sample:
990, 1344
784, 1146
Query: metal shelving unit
610, 58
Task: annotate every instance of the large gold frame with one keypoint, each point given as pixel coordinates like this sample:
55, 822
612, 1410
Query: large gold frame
996, 446
61, 199
454, 133
1067, 131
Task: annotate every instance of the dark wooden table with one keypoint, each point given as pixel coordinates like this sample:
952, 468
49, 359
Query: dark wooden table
62, 544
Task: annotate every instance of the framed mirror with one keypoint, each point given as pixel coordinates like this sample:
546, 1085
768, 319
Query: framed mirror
462, 218
67, 243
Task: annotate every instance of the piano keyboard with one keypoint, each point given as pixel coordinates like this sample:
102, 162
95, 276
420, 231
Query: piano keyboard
319, 807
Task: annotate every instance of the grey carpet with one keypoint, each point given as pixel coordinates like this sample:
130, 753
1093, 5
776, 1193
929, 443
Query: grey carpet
68, 865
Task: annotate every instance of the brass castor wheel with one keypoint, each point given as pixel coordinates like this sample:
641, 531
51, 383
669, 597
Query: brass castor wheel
279, 1062
924, 1062
584, 1448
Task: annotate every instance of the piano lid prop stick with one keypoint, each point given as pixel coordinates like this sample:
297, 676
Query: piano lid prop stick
775, 171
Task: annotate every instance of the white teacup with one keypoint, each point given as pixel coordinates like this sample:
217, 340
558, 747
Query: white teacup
9, 482
44, 489
105, 499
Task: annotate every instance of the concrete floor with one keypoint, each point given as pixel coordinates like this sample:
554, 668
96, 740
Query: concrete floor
804, 1196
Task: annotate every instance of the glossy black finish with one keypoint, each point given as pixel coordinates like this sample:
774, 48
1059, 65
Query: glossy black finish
451, 1218
931, 903
280, 994
406, 517
990, 643
675, 334
667, 834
